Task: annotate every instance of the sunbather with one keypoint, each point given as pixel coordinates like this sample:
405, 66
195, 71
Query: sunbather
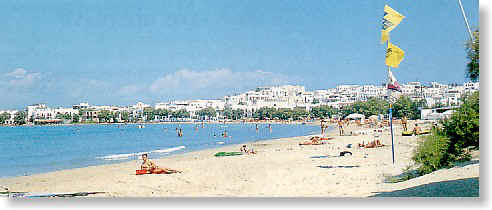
150, 166
315, 140
417, 130
245, 149
372, 144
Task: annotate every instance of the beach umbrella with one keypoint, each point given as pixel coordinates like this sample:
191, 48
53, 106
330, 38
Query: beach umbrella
355, 116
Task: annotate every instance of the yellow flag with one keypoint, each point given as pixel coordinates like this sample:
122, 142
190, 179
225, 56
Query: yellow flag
384, 36
394, 55
390, 20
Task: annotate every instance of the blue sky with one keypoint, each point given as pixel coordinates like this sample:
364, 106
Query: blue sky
119, 52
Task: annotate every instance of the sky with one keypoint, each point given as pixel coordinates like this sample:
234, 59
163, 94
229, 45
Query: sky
118, 52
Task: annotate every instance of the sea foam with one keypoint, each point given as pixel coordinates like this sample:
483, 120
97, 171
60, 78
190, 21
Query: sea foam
138, 154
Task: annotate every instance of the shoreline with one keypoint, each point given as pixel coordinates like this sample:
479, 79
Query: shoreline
169, 155
315, 122
281, 168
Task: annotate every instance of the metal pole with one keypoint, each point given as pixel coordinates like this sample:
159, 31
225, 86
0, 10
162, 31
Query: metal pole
466, 21
391, 127
390, 116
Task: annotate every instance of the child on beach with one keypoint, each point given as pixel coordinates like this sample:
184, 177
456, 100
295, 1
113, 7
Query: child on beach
150, 166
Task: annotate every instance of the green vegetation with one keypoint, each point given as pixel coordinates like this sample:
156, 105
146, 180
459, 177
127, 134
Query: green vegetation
231, 114
373, 106
180, 114
450, 143
65, 116
4, 117
105, 116
404, 106
297, 113
207, 112
125, 116
463, 126
149, 113
20, 118
473, 54
323, 111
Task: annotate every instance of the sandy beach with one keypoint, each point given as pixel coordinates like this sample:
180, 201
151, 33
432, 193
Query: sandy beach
281, 168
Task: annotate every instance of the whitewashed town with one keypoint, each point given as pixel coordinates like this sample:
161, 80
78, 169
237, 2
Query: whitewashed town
434, 95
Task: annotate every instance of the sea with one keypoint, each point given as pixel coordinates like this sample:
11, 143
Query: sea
27, 150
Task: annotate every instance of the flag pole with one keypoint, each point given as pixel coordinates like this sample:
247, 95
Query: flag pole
466, 21
390, 114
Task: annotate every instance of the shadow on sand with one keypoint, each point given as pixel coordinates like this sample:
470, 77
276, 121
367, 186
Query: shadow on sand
455, 188
338, 166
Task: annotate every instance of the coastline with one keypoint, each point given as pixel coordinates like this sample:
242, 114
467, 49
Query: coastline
281, 168
315, 122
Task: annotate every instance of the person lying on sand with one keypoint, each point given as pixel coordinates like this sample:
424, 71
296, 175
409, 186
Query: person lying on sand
244, 149
150, 166
372, 144
316, 140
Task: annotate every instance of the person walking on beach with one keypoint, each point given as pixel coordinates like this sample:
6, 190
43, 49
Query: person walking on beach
340, 127
322, 127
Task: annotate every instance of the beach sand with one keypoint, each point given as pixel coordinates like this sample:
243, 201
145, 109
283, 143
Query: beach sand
281, 168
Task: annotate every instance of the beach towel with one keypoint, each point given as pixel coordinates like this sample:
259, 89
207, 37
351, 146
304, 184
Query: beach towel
309, 143
221, 154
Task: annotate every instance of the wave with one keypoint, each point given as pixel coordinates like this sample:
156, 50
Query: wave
138, 154
169, 150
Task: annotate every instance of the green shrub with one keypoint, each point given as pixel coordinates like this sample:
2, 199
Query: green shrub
431, 154
447, 145
463, 126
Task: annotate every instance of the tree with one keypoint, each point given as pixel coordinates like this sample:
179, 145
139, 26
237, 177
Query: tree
180, 114
323, 111
209, 111
404, 106
264, 112
149, 113
162, 112
237, 114
4, 117
105, 115
373, 106
65, 116
125, 116
463, 126
473, 54
20, 118
76, 118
